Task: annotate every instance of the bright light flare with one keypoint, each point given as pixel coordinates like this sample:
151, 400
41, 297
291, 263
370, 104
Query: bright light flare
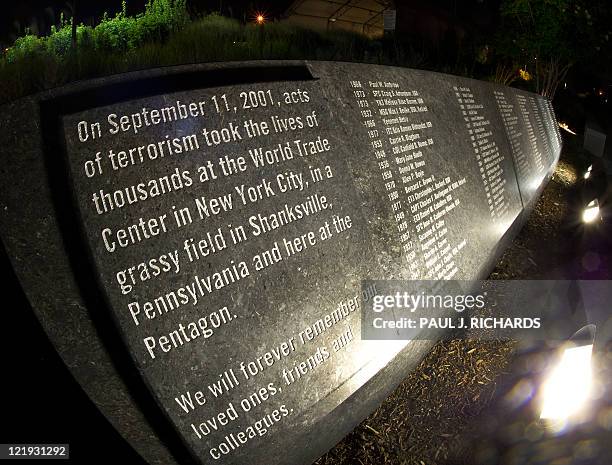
260, 19
591, 212
568, 386
566, 128
587, 175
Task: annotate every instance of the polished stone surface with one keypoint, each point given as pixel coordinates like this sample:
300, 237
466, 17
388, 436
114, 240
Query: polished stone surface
208, 228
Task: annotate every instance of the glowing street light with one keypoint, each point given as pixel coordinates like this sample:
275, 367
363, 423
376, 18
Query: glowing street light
260, 19
587, 175
591, 212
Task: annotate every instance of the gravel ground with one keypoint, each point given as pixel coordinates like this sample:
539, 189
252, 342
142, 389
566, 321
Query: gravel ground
430, 419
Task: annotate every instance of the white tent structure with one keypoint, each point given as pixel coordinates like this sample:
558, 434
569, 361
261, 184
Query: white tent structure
362, 16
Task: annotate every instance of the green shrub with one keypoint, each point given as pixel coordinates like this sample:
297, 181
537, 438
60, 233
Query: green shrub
24, 48
59, 42
123, 32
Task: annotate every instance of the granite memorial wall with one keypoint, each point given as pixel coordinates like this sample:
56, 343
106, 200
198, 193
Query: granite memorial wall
193, 239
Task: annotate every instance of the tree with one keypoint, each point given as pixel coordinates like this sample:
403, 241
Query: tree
548, 37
